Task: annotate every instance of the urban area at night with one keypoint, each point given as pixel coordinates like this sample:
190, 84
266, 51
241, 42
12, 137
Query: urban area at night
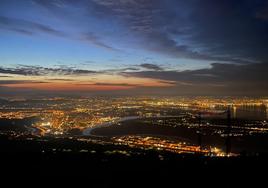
182, 125
134, 92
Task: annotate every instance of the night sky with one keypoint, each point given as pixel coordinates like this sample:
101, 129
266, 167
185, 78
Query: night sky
158, 47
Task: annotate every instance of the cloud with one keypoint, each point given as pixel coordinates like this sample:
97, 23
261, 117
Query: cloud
167, 82
227, 31
141, 18
63, 70
121, 69
10, 82
151, 66
134, 68
219, 72
230, 28
170, 28
27, 27
95, 40
262, 12
32, 28
27, 70
245, 78
61, 79
114, 84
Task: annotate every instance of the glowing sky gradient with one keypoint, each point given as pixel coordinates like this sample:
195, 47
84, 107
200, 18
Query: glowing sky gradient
147, 46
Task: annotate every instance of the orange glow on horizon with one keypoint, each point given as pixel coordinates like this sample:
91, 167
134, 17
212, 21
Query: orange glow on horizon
66, 86
82, 83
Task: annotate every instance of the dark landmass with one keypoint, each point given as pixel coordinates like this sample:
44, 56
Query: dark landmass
110, 165
16, 125
253, 142
101, 163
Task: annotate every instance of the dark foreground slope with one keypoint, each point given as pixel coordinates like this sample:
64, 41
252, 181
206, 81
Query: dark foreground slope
109, 165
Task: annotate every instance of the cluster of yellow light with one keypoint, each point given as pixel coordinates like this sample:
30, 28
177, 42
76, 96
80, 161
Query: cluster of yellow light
162, 144
17, 115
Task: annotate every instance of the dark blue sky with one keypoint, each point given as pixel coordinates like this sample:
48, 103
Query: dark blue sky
184, 46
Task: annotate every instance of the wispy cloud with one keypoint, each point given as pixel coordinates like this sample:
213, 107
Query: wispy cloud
246, 78
28, 27
160, 25
95, 40
110, 84
61, 79
27, 70
151, 66
11, 82
180, 29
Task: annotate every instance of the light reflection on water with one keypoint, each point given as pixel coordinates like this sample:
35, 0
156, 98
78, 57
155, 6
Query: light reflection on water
256, 112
